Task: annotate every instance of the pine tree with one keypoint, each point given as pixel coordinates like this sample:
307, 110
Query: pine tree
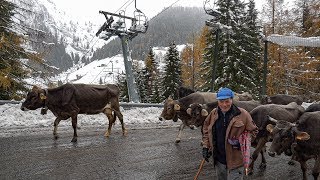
12, 52
172, 76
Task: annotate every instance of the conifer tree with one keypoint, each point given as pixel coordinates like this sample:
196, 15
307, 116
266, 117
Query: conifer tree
172, 72
12, 52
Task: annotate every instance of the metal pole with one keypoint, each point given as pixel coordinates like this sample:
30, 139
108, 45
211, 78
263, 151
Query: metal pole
132, 88
265, 68
215, 59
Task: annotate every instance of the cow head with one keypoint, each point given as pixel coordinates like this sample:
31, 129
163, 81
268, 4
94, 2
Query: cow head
34, 100
170, 110
198, 114
284, 134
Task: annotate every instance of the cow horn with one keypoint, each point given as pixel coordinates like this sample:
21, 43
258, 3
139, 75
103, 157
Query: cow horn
272, 119
189, 111
176, 107
204, 112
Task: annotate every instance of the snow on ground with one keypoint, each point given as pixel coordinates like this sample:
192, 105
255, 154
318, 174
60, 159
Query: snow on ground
15, 121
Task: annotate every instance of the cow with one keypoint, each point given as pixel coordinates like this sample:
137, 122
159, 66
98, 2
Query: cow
313, 107
300, 139
176, 109
69, 100
290, 112
283, 99
183, 92
245, 96
199, 112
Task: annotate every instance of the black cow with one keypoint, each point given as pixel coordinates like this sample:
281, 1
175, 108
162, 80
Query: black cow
290, 112
283, 99
300, 139
69, 100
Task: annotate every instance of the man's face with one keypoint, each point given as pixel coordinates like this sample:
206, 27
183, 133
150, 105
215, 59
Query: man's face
225, 104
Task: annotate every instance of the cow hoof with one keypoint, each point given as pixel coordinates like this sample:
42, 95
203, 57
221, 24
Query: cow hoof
74, 140
178, 140
262, 166
107, 134
55, 137
250, 171
291, 162
125, 133
191, 127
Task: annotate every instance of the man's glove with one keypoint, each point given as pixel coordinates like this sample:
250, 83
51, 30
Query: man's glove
206, 154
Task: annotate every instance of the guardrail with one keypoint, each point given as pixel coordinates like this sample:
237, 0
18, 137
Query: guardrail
122, 104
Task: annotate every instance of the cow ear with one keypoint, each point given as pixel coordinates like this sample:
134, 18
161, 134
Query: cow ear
189, 111
176, 107
204, 112
302, 136
270, 128
42, 96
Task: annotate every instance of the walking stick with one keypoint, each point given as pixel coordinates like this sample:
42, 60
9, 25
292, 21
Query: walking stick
199, 170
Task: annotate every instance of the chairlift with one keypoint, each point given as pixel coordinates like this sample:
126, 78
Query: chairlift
209, 7
140, 22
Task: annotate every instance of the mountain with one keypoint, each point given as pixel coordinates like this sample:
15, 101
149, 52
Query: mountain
62, 40
175, 24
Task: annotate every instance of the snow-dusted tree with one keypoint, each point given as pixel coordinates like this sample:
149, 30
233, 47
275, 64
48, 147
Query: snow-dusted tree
13, 54
238, 48
208, 60
172, 72
122, 84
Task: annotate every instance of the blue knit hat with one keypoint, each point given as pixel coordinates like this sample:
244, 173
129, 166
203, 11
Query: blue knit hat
224, 93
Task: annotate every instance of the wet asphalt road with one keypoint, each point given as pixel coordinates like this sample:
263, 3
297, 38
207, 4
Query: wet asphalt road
143, 154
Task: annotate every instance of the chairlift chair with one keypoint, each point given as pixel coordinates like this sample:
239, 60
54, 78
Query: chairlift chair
139, 23
209, 8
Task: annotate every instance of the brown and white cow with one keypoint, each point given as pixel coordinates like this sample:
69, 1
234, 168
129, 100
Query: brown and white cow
69, 100
176, 109
300, 139
260, 115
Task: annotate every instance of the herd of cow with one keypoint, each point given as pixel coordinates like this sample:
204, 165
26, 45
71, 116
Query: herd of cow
281, 119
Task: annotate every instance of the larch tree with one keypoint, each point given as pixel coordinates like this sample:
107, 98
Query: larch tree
13, 54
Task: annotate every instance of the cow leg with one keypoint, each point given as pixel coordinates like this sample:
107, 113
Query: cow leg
55, 128
74, 125
259, 149
178, 139
316, 169
108, 113
303, 166
263, 159
120, 116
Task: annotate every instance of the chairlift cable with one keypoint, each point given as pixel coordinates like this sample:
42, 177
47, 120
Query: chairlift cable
164, 9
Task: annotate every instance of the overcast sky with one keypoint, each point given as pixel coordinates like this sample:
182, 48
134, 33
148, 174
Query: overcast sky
90, 9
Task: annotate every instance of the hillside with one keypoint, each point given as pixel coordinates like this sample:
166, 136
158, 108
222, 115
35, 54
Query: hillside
175, 24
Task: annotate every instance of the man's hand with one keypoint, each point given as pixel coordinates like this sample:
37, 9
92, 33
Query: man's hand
206, 154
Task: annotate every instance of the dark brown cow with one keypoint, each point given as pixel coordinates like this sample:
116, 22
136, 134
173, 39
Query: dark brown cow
199, 112
69, 100
290, 112
300, 139
176, 109
183, 92
283, 99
